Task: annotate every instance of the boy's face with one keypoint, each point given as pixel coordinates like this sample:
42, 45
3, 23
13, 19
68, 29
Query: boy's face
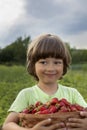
49, 70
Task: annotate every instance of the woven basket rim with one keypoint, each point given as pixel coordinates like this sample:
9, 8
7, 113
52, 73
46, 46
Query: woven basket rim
52, 115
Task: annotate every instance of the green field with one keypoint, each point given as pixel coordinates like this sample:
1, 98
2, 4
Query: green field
15, 78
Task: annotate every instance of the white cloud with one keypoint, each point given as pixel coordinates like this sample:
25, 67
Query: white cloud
10, 11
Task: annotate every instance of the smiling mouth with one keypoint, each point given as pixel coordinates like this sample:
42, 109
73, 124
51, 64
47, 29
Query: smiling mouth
50, 74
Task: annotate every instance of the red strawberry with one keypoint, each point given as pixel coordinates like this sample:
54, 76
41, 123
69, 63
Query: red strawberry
65, 101
42, 108
25, 111
54, 101
61, 103
63, 109
38, 104
78, 107
43, 112
73, 108
52, 109
33, 111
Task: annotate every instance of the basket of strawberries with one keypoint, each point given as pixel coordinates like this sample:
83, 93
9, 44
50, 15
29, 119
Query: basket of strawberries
57, 110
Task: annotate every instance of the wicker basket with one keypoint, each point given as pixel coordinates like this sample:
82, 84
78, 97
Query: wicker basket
29, 120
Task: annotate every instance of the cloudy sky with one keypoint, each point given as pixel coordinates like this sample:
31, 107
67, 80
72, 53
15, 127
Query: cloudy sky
66, 18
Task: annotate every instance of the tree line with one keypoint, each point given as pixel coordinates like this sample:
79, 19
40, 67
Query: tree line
15, 53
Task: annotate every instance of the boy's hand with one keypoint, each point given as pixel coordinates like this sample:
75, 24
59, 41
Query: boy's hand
78, 124
46, 125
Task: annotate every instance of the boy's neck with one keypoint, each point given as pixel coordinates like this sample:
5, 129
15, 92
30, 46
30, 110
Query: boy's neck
50, 89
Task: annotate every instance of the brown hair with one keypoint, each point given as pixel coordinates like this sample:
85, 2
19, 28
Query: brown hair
45, 46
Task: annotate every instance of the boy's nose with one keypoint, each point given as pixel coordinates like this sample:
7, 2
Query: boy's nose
51, 67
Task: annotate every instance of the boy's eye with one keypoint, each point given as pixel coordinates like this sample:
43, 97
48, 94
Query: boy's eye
43, 62
58, 62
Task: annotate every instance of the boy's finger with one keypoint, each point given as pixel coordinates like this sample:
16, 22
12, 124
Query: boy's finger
83, 113
45, 122
57, 126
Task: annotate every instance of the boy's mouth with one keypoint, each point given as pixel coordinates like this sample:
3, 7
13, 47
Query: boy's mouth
50, 75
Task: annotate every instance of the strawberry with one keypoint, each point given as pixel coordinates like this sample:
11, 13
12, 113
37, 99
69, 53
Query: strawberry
42, 108
34, 111
65, 101
38, 104
63, 109
73, 107
61, 103
54, 101
78, 107
52, 109
25, 111
43, 112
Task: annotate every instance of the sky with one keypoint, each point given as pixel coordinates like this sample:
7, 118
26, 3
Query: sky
65, 18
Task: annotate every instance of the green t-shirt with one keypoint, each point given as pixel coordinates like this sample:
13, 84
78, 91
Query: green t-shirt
33, 94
